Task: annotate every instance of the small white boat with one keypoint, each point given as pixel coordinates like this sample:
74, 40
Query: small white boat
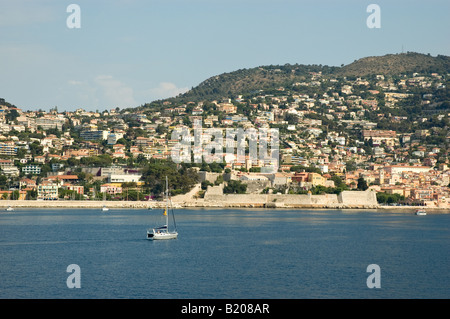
9, 209
421, 212
104, 208
163, 232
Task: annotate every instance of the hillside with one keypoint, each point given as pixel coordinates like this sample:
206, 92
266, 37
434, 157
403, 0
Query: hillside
392, 64
247, 81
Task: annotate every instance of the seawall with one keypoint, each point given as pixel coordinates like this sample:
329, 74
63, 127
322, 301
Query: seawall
348, 200
214, 197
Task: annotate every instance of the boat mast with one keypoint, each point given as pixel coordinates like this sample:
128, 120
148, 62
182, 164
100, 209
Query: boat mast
167, 204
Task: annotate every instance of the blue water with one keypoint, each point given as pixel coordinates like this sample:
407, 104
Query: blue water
249, 254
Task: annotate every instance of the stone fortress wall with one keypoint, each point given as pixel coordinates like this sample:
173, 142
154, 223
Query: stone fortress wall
214, 197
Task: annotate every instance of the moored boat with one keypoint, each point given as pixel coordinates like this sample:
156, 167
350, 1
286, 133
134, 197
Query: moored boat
163, 232
421, 212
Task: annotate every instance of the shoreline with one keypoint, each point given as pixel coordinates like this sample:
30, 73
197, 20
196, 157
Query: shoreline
160, 204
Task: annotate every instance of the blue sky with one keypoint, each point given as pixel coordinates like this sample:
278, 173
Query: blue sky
130, 52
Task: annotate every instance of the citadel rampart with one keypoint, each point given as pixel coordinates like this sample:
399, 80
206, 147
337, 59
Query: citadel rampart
214, 197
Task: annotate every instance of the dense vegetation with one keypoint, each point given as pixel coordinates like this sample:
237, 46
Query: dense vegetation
181, 178
393, 64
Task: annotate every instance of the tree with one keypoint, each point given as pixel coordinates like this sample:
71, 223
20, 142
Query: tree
73, 162
3, 181
15, 195
181, 178
205, 184
235, 187
31, 194
219, 180
36, 148
381, 198
339, 184
350, 166
362, 184
291, 118
161, 129
124, 142
12, 115
81, 175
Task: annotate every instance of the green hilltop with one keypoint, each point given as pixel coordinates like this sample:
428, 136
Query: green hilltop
394, 64
250, 81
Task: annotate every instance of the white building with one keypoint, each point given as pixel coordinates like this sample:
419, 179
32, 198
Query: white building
393, 169
123, 178
47, 191
112, 139
31, 169
94, 135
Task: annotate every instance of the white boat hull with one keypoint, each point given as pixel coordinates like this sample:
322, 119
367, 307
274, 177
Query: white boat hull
151, 235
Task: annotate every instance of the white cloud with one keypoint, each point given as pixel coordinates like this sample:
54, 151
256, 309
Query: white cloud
114, 92
166, 90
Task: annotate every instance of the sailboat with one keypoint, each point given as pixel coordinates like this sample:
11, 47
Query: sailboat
163, 232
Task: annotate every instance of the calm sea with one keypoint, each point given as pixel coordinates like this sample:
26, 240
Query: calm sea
248, 254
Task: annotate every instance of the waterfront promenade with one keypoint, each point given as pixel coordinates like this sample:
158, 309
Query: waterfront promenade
78, 204
69, 204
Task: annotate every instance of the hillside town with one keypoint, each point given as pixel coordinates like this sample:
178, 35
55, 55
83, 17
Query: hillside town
335, 134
